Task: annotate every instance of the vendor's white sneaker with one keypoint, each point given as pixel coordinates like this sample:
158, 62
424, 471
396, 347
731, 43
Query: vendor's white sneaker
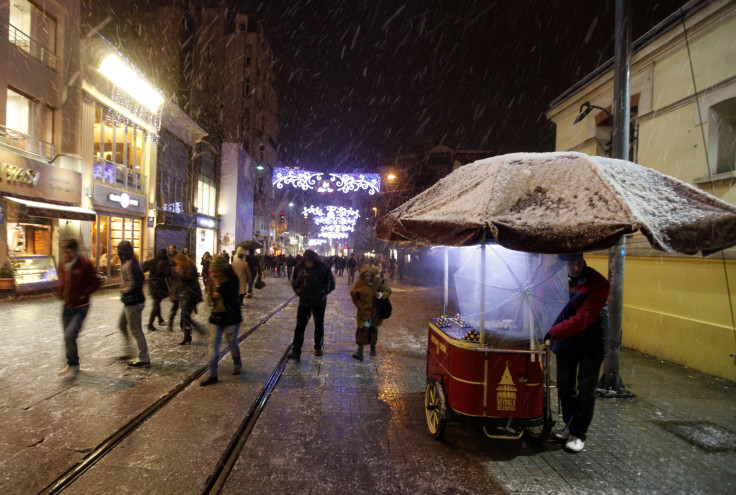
574, 444
69, 372
561, 433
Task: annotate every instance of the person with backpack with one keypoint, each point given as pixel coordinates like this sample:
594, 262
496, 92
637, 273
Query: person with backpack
366, 294
77, 281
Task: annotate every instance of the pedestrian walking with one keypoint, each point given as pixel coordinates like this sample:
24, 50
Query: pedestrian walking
225, 316
255, 273
290, 264
312, 282
205, 262
367, 290
77, 281
186, 291
352, 266
131, 295
159, 275
242, 270
579, 339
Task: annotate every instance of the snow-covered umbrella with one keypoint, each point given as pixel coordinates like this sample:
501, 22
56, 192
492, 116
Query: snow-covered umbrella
562, 202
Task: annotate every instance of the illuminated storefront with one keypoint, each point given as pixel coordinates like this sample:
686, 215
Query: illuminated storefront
120, 217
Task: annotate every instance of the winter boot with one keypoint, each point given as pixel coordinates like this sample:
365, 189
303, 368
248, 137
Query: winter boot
359, 353
187, 336
373, 350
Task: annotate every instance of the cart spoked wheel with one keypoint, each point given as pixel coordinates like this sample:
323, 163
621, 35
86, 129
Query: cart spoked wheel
435, 406
535, 431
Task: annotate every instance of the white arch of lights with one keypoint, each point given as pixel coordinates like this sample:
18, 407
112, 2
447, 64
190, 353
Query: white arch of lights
336, 222
306, 180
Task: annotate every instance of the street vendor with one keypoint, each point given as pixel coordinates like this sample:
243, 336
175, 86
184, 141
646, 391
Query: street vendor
579, 339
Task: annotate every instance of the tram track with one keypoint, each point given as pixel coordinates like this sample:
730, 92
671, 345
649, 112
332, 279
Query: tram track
217, 479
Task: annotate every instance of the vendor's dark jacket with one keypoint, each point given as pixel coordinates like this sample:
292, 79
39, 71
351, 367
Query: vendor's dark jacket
582, 327
312, 284
226, 309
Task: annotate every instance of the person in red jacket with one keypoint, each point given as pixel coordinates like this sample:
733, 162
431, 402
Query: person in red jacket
77, 281
579, 339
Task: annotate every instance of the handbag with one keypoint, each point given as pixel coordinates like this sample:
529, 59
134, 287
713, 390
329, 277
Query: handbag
260, 284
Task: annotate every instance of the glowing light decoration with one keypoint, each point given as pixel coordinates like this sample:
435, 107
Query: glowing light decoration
316, 242
132, 92
355, 182
300, 179
127, 79
336, 222
306, 180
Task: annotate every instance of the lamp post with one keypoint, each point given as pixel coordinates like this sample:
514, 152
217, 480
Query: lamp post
611, 384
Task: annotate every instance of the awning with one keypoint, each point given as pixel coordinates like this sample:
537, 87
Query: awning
48, 210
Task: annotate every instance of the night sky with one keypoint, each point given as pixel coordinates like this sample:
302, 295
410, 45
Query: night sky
362, 81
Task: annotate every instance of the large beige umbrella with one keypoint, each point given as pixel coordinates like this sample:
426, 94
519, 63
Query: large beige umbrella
562, 202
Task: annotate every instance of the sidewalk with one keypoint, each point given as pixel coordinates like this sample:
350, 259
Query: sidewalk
334, 425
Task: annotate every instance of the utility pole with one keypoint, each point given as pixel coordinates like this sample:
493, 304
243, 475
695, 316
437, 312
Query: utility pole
611, 384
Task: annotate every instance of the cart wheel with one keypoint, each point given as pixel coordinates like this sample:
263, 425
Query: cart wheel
535, 431
435, 406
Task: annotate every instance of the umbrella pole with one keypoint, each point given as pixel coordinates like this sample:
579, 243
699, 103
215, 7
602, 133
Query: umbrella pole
482, 324
447, 279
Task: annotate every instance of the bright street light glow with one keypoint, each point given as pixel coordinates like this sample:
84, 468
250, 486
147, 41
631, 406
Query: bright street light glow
120, 74
391, 176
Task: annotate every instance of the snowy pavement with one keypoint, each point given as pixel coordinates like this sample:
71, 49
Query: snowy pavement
332, 424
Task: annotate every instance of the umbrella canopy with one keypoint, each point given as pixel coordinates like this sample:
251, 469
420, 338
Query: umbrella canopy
247, 245
562, 202
517, 295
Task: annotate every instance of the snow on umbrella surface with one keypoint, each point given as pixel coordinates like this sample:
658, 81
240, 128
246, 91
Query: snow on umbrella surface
562, 202
518, 295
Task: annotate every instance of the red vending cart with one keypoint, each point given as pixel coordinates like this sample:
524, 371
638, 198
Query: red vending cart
489, 363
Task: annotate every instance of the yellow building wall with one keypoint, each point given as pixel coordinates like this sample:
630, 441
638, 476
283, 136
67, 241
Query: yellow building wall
713, 59
673, 145
678, 309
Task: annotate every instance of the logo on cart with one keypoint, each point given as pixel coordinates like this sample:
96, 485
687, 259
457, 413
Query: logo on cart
506, 392
438, 346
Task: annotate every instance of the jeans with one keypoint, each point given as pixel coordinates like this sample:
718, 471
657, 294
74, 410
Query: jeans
130, 324
71, 322
302, 318
216, 332
250, 285
578, 402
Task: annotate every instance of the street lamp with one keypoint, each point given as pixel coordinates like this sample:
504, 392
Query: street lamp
586, 108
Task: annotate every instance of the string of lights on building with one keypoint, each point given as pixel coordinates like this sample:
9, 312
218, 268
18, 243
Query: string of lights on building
307, 180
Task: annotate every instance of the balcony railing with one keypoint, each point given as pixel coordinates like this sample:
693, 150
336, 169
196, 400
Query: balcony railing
28, 44
18, 140
118, 175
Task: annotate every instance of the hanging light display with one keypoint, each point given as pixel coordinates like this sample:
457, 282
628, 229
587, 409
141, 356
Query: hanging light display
335, 222
306, 180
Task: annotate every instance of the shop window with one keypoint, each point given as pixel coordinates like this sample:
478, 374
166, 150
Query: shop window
206, 195
722, 136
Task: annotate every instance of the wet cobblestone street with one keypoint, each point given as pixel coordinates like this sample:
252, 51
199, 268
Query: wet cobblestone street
332, 425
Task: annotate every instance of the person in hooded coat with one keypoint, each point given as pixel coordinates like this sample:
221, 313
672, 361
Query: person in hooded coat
131, 294
368, 289
186, 291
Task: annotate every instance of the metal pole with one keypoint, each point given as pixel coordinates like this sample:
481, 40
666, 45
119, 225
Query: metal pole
447, 279
482, 324
611, 382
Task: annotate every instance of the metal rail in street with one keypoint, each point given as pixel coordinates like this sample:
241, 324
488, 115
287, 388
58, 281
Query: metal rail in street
76, 471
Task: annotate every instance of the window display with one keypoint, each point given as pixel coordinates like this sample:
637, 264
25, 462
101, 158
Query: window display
34, 272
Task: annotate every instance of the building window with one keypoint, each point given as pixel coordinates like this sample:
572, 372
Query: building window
246, 118
33, 31
247, 86
206, 195
722, 136
248, 55
115, 141
33, 123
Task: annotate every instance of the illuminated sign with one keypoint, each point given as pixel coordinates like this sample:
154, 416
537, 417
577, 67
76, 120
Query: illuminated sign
207, 223
123, 199
177, 207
